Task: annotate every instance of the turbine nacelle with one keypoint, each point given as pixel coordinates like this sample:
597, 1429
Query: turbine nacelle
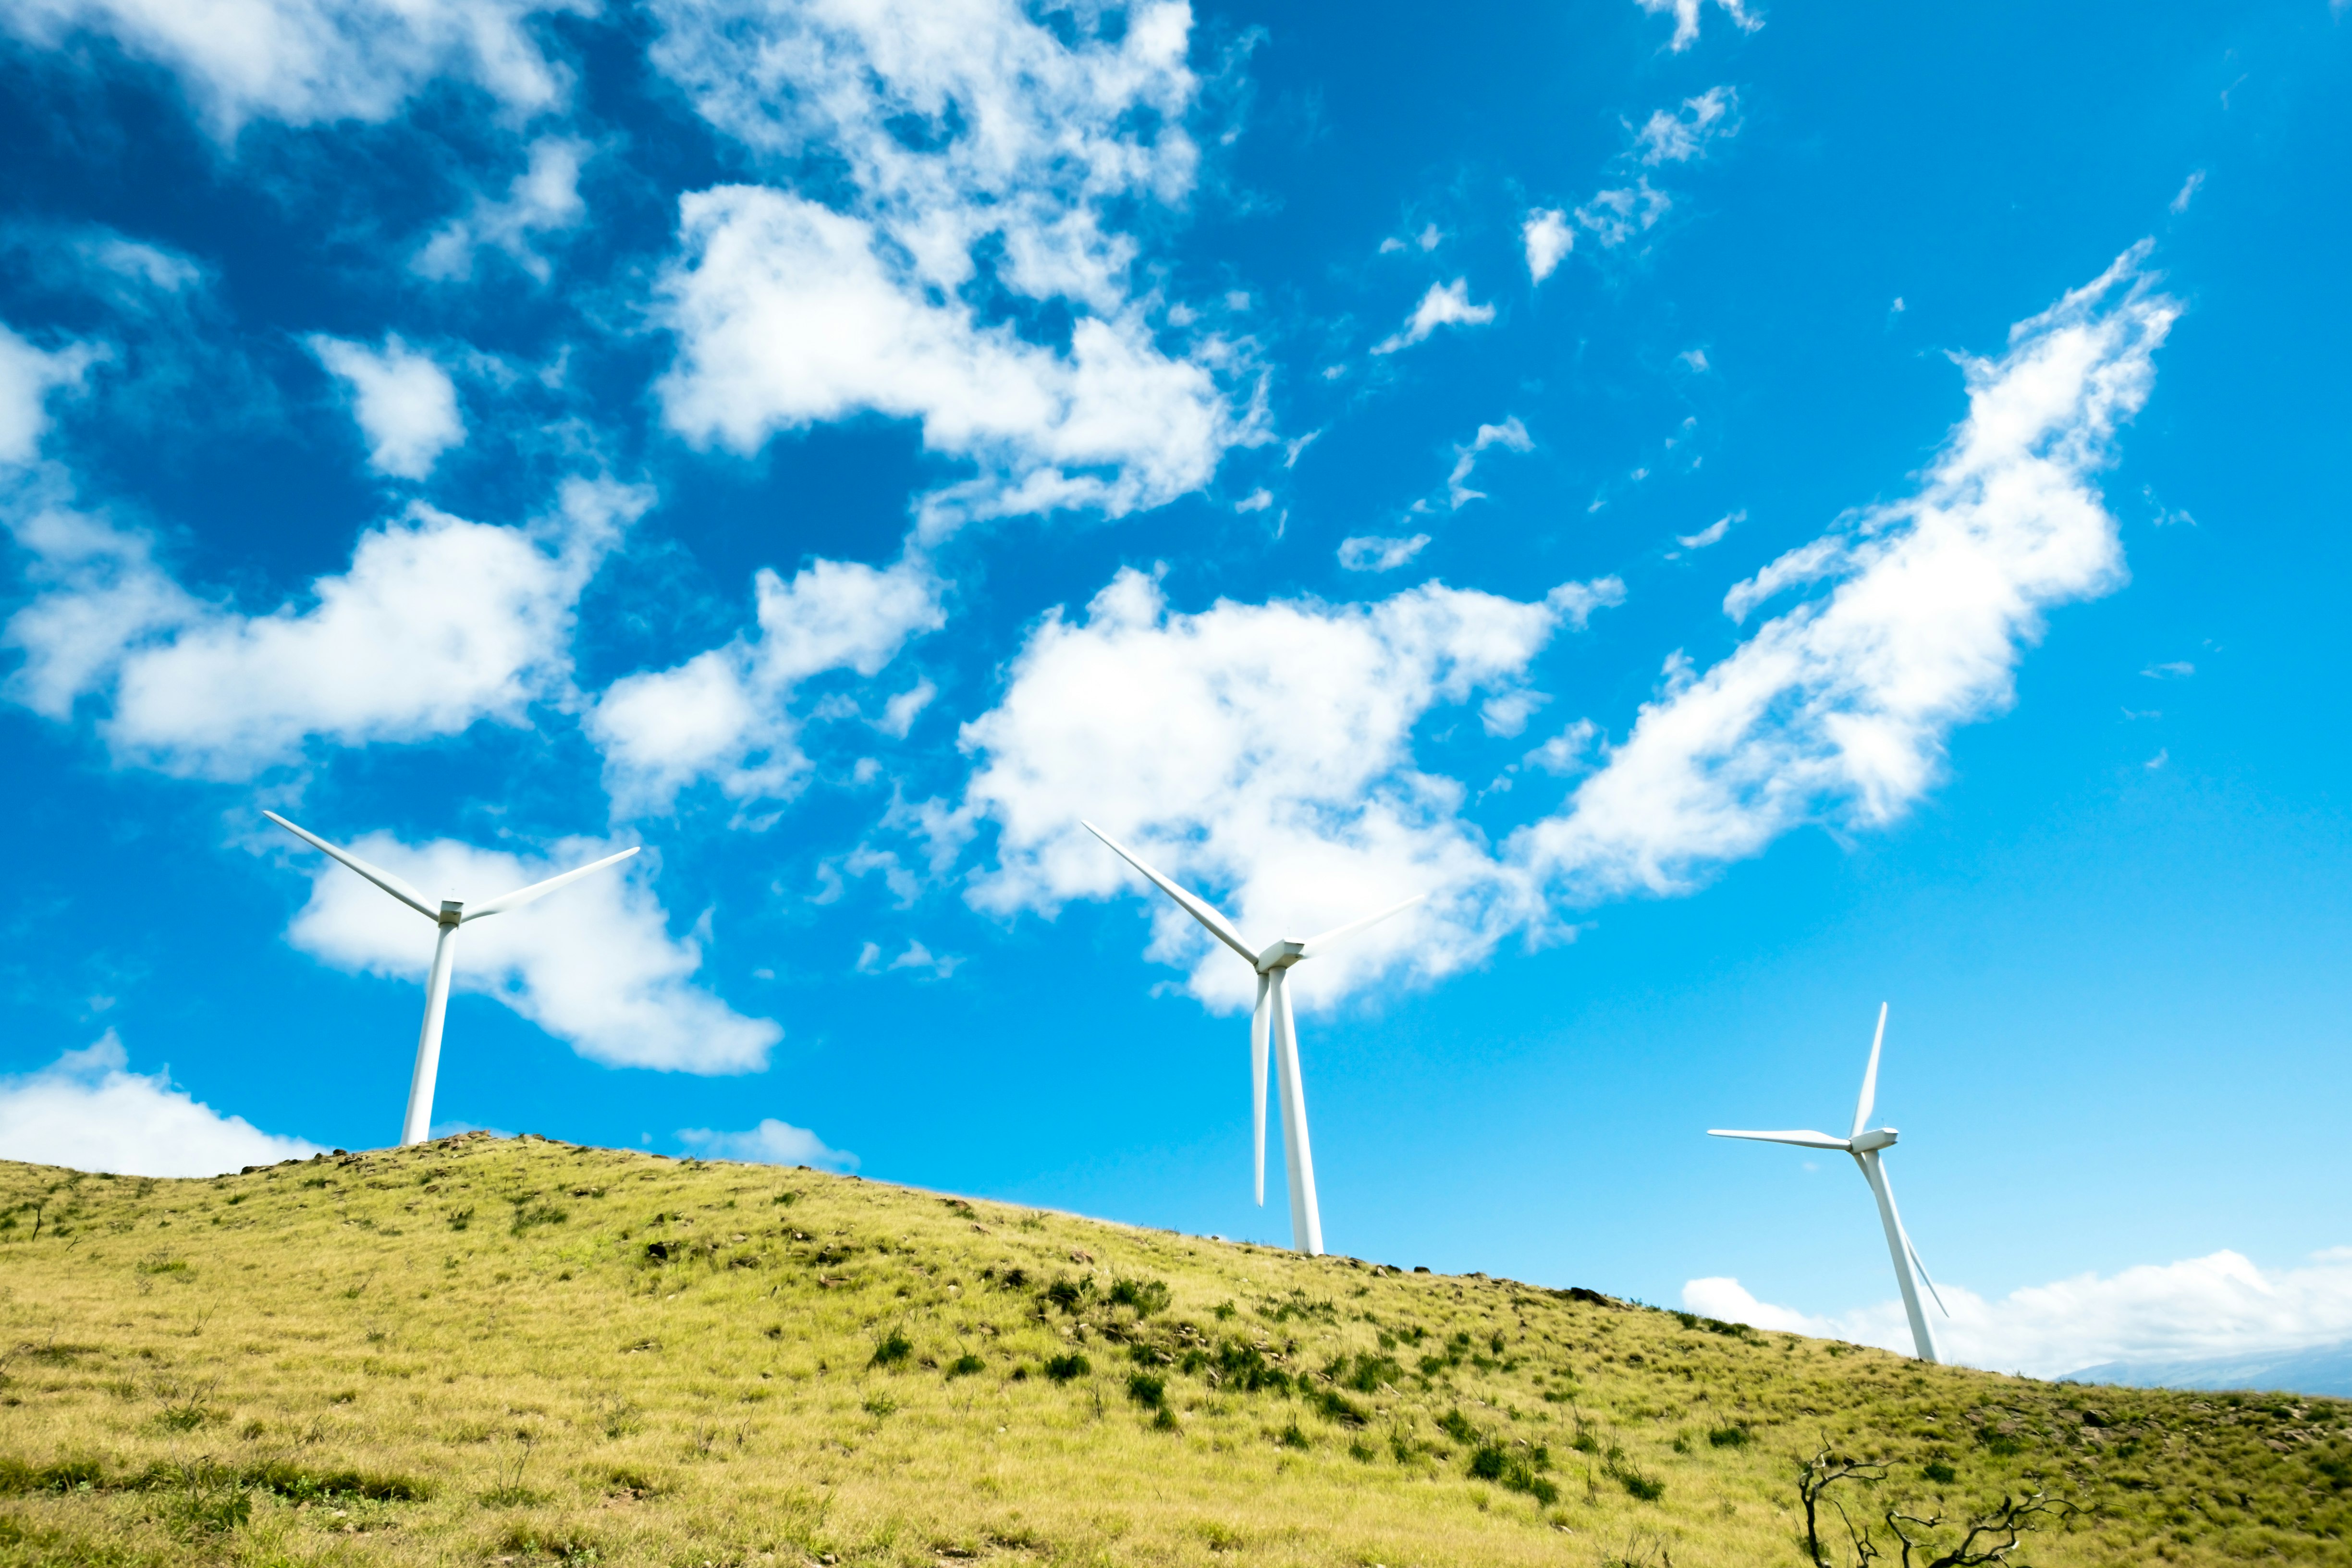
1281, 956
1880, 1138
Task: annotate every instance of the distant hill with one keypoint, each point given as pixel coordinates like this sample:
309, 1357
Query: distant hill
513, 1351
2321, 1368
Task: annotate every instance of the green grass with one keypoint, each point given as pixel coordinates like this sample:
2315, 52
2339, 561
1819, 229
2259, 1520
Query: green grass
483, 1351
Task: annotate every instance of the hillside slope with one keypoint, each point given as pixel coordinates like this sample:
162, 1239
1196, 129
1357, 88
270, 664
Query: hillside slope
517, 1351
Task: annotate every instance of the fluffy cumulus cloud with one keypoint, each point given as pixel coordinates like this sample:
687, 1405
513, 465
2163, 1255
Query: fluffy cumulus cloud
592, 963
984, 157
1446, 305
438, 624
1263, 752
2200, 1307
1685, 15
724, 715
771, 1143
1549, 239
544, 199
1838, 709
405, 404
308, 61
88, 1111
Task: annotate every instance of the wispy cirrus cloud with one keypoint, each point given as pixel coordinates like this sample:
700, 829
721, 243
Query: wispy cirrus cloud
1446, 305
1838, 709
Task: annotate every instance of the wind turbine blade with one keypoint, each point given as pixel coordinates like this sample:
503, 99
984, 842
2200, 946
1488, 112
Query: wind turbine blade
1924, 1275
1197, 908
1315, 944
1261, 1020
1870, 1076
1802, 1139
376, 874
522, 896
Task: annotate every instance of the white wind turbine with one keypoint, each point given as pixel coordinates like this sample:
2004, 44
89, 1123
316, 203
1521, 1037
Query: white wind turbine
1272, 964
1864, 1147
452, 913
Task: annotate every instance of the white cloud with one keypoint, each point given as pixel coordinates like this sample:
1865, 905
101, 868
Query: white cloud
437, 624
87, 1112
771, 1143
1617, 216
1549, 239
1684, 134
310, 61
2187, 191
1371, 553
1711, 534
405, 404
1685, 15
1264, 751
981, 148
543, 199
594, 964
2171, 669
724, 715
1838, 709
916, 956
27, 376
2201, 1307
1510, 435
788, 313
1446, 305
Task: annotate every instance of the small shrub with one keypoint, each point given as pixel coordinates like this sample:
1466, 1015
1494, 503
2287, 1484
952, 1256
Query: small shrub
1063, 1368
1639, 1487
1146, 1296
896, 1347
1068, 1294
2002, 1444
1456, 1426
965, 1365
1147, 1390
1337, 1406
1940, 1472
1165, 1421
881, 1406
1292, 1437
1372, 1372
1729, 1436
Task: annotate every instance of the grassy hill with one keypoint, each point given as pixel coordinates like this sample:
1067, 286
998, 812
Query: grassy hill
486, 1350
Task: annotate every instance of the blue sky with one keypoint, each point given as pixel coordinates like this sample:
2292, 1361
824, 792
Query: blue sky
1758, 510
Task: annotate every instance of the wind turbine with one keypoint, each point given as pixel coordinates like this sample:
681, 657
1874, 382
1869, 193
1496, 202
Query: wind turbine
1271, 964
1864, 1147
452, 914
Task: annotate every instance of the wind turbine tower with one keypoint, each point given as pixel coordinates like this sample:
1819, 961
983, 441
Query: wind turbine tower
1866, 1148
1271, 965
450, 914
